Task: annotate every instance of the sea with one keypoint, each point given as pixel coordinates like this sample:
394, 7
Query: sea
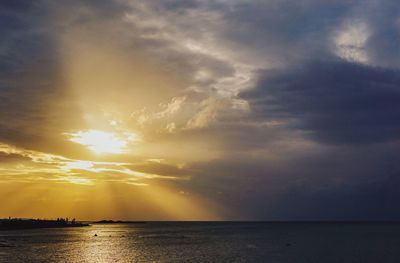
206, 242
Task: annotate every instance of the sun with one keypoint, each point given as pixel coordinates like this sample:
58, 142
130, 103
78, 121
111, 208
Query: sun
102, 142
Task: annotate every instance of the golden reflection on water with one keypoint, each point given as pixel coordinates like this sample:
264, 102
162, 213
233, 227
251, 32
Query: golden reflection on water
107, 243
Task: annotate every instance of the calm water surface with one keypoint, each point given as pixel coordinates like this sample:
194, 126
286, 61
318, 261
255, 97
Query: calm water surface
205, 242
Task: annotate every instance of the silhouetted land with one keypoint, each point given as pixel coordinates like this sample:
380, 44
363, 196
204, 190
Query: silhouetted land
17, 223
118, 222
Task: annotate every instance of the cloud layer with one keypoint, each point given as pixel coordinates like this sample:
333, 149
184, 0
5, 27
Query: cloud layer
270, 109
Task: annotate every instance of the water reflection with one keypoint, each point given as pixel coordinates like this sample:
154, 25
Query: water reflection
205, 242
112, 244
108, 243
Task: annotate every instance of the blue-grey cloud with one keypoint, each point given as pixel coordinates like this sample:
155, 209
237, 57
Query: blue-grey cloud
338, 102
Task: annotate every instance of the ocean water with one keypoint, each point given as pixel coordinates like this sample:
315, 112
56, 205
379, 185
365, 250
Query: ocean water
206, 242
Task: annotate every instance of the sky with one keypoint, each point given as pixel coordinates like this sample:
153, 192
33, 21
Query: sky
200, 109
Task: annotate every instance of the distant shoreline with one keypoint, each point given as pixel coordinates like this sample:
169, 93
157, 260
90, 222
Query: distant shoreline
17, 223
118, 222
21, 224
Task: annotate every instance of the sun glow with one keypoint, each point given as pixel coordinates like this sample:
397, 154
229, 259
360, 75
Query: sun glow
102, 142
83, 165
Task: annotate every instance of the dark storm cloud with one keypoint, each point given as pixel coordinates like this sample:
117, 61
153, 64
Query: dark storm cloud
175, 5
346, 111
16, 4
338, 102
26, 69
283, 32
338, 183
383, 17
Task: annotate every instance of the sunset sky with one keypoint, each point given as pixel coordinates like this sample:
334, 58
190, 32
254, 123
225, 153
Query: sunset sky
200, 109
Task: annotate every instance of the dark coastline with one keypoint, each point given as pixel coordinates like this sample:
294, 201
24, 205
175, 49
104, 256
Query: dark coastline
118, 222
16, 223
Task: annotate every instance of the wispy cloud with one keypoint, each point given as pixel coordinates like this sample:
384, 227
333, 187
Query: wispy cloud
28, 165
